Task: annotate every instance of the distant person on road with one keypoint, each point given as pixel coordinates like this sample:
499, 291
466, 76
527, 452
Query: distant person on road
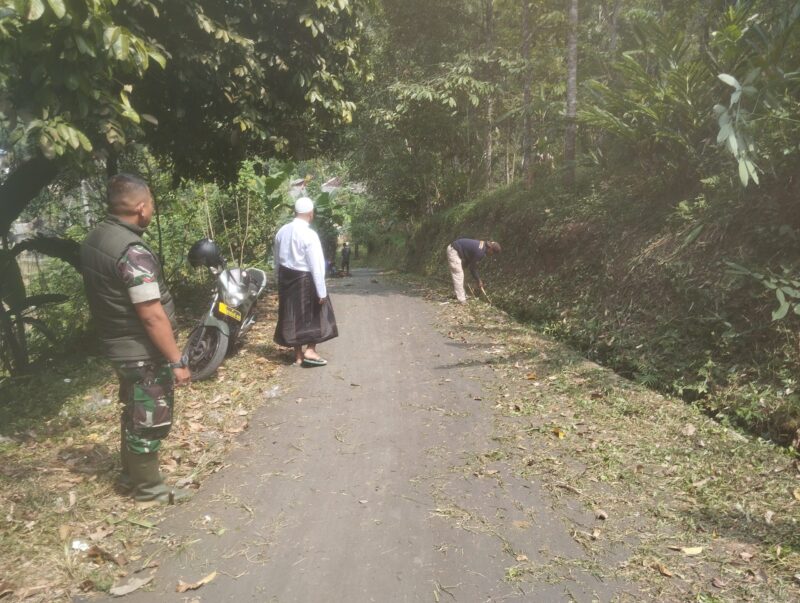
135, 316
346, 258
305, 315
466, 253
330, 269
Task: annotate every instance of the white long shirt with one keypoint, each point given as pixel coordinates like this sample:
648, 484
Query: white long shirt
297, 247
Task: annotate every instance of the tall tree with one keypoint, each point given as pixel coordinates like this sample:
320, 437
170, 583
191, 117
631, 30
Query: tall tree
527, 83
489, 34
570, 134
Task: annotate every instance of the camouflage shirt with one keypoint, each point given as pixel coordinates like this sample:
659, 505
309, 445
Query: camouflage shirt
138, 269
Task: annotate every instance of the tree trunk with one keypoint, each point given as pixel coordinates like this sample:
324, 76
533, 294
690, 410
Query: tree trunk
570, 134
614, 37
22, 185
489, 28
527, 82
14, 357
508, 159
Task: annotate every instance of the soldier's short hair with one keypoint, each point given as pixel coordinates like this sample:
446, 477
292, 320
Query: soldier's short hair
122, 191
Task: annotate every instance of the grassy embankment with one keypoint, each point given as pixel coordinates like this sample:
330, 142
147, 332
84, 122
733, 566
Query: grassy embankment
638, 282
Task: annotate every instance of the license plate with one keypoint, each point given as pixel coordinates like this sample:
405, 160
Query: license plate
234, 314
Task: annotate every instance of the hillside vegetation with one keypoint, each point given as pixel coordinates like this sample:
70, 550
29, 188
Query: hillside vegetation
641, 282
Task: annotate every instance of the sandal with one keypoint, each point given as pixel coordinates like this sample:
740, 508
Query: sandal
314, 361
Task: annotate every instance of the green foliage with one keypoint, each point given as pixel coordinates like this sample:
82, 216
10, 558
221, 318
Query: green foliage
654, 106
759, 122
786, 287
93, 85
68, 73
256, 76
203, 84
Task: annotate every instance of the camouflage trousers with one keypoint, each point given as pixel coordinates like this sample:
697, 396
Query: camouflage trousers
146, 391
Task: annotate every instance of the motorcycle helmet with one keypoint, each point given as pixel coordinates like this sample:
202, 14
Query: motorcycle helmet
205, 252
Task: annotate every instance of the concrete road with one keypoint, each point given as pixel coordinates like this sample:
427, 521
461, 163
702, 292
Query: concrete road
358, 482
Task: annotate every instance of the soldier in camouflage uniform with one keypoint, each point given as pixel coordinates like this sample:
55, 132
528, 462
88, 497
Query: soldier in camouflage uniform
135, 317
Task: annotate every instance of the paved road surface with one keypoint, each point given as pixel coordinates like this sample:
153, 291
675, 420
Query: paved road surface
353, 484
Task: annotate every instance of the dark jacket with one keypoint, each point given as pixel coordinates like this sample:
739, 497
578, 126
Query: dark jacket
121, 331
471, 251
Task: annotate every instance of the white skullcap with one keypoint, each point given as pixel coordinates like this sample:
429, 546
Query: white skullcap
303, 205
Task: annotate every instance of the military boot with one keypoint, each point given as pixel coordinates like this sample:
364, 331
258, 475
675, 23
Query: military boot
124, 482
148, 484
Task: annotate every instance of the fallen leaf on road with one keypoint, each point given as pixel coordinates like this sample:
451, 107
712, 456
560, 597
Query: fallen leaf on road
559, 433
522, 557
691, 551
531, 376
746, 556
237, 428
142, 523
719, 583
32, 590
601, 514
756, 576
6, 588
689, 430
522, 524
796, 493
768, 517
133, 585
63, 532
101, 532
363, 501
184, 586
663, 570
95, 552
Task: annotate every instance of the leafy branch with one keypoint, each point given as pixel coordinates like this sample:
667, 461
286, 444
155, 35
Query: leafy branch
786, 287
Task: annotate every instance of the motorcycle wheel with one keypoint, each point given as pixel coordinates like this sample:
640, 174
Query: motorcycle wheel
206, 350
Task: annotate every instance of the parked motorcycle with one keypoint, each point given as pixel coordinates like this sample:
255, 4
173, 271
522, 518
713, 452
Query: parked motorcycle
231, 313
